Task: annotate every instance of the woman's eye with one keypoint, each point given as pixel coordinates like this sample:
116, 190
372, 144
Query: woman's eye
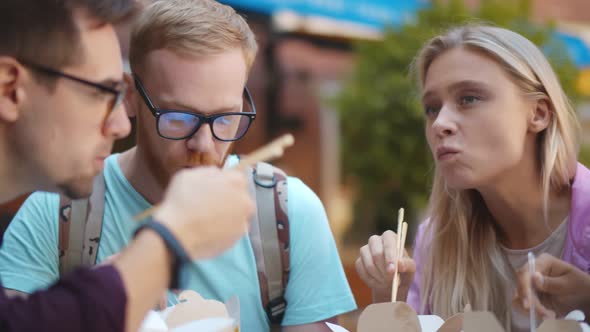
430, 111
468, 100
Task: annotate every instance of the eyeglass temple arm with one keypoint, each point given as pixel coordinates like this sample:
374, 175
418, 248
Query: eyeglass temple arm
139, 87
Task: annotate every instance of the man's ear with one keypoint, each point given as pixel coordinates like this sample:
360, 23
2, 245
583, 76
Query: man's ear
541, 115
131, 96
12, 92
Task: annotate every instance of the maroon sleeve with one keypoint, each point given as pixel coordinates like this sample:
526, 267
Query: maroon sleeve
86, 300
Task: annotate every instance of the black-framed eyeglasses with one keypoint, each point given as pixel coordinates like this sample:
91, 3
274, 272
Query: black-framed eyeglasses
118, 91
180, 124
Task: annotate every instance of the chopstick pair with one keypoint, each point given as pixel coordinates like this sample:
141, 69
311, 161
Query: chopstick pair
402, 231
272, 150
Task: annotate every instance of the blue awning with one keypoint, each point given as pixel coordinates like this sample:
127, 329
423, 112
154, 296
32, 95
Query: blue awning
377, 14
372, 13
577, 48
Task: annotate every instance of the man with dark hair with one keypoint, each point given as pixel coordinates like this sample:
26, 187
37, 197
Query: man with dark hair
61, 84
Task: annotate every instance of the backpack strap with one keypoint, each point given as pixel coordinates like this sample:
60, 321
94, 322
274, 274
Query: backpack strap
269, 235
80, 227
65, 215
70, 233
93, 229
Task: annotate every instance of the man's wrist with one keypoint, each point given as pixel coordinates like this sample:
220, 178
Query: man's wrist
158, 250
179, 255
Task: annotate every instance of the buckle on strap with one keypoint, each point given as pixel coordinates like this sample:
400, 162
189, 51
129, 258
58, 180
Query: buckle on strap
265, 181
275, 310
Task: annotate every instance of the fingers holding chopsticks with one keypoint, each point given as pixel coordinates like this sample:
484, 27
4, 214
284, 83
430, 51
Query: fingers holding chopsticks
376, 266
560, 286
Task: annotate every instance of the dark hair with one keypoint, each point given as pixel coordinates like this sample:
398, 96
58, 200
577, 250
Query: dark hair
45, 31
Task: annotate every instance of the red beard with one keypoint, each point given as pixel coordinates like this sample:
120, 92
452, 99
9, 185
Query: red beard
197, 159
203, 159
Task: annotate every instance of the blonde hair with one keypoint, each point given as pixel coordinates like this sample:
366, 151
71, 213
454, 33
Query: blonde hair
464, 261
190, 27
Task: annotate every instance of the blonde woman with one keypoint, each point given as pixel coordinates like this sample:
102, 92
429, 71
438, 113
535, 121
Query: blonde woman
505, 140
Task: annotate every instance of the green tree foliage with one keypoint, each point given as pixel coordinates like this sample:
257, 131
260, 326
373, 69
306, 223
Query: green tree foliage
384, 150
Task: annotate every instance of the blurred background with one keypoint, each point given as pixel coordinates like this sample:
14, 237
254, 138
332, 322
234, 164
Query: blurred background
335, 74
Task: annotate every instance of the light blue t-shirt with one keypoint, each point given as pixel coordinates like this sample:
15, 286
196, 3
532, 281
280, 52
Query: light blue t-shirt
317, 287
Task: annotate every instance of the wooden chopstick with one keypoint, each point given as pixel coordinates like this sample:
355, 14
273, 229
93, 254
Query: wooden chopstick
402, 230
273, 150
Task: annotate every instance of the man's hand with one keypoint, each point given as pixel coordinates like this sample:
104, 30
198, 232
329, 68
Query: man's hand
207, 209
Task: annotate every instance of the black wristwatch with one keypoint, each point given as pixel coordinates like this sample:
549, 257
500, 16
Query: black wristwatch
180, 256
